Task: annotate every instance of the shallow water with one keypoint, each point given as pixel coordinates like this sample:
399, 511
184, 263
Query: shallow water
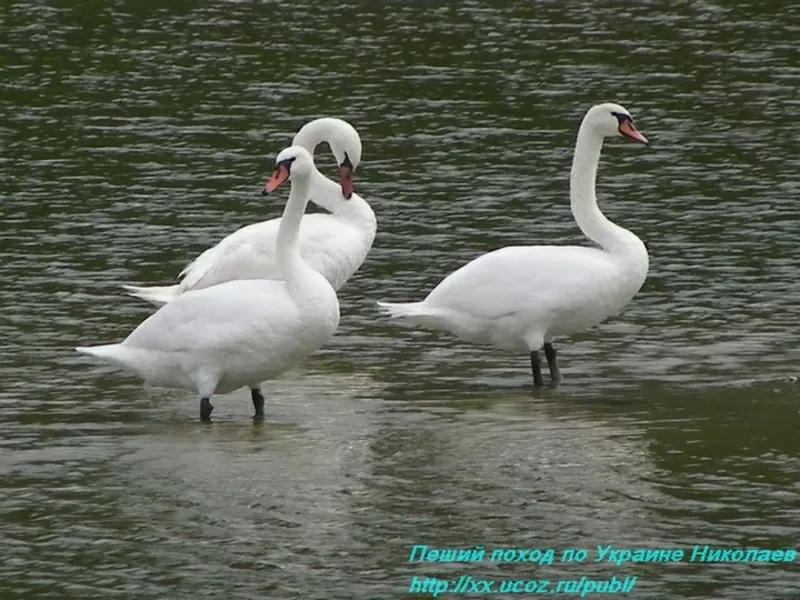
135, 137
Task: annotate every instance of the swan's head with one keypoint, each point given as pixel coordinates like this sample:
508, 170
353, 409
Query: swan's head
294, 162
346, 147
611, 119
345, 144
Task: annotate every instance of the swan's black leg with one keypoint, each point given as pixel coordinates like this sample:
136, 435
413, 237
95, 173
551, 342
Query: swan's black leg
258, 404
205, 410
550, 353
536, 367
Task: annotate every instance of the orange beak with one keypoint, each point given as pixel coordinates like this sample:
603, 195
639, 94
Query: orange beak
280, 175
627, 129
346, 181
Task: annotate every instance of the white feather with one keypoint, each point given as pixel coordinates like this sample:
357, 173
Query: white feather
238, 333
519, 297
334, 244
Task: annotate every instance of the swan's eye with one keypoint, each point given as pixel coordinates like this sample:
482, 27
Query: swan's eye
287, 163
621, 117
346, 162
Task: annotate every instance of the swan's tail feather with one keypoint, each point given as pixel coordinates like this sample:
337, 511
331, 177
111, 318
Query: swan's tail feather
157, 295
122, 356
415, 313
107, 352
402, 309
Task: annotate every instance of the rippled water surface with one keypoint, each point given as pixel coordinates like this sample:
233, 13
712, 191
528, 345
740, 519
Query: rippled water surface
133, 137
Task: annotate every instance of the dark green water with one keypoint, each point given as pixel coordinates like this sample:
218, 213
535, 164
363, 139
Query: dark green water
133, 137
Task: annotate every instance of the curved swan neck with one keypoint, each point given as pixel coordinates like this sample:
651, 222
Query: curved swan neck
324, 191
583, 199
287, 248
314, 133
327, 193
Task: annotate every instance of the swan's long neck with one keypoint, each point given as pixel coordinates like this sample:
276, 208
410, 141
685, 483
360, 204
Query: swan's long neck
287, 249
309, 137
324, 191
583, 200
314, 133
327, 193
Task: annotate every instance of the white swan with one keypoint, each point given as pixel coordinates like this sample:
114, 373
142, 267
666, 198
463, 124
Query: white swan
334, 244
519, 298
239, 333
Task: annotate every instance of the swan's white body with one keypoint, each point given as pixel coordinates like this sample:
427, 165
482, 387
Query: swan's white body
238, 333
334, 244
520, 297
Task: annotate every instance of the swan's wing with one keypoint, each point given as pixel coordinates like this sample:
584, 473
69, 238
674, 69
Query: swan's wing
333, 247
247, 253
225, 315
521, 278
328, 244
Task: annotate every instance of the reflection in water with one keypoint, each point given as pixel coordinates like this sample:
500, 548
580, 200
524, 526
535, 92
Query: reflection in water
135, 139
